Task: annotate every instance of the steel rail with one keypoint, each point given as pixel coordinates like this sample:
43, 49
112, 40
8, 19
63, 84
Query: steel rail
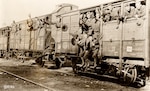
25, 79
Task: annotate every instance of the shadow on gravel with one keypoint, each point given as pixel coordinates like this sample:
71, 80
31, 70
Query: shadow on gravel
53, 67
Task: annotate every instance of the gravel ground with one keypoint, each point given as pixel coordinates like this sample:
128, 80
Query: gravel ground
11, 83
55, 79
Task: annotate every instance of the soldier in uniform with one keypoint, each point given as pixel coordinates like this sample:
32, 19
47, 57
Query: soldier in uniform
58, 22
38, 23
83, 22
50, 45
98, 14
81, 44
107, 13
30, 23
14, 26
116, 15
129, 11
80, 20
88, 47
140, 11
95, 51
46, 23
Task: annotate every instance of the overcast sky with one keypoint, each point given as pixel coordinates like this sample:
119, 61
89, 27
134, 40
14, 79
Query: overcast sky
20, 9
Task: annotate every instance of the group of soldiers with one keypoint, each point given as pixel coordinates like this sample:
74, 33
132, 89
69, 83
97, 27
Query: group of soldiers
88, 47
32, 24
135, 9
89, 35
37, 23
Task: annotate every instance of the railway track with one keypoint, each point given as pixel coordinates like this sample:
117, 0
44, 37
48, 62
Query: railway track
45, 88
64, 76
88, 75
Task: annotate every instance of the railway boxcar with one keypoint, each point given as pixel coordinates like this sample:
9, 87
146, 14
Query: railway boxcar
33, 37
122, 31
4, 39
107, 39
29, 42
63, 23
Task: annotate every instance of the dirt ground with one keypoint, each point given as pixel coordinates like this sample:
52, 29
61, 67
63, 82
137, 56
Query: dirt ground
57, 79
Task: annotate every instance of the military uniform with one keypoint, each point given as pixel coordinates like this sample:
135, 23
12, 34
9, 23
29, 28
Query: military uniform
95, 51
107, 14
96, 29
129, 11
81, 43
58, 22
30, 24
115, 14
50, 45
140, 12
14, 26
98, 13
88, 51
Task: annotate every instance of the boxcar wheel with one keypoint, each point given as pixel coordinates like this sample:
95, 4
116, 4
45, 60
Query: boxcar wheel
58, 63
130, 75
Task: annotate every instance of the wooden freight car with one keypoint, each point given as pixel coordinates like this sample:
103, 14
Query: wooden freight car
61, 27
28, 40
33, 37
4, 41
122, 31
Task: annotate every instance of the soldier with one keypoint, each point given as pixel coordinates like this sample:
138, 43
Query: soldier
140, 11
116, 15
14, 26
129, 11
46, 23
107, 13
81, 43
92, 19
97, 24
98, 14
88, 48
30, 23
89, 18
58, 22
52, 48
81, 20
95, 50
84, 18
38, 23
